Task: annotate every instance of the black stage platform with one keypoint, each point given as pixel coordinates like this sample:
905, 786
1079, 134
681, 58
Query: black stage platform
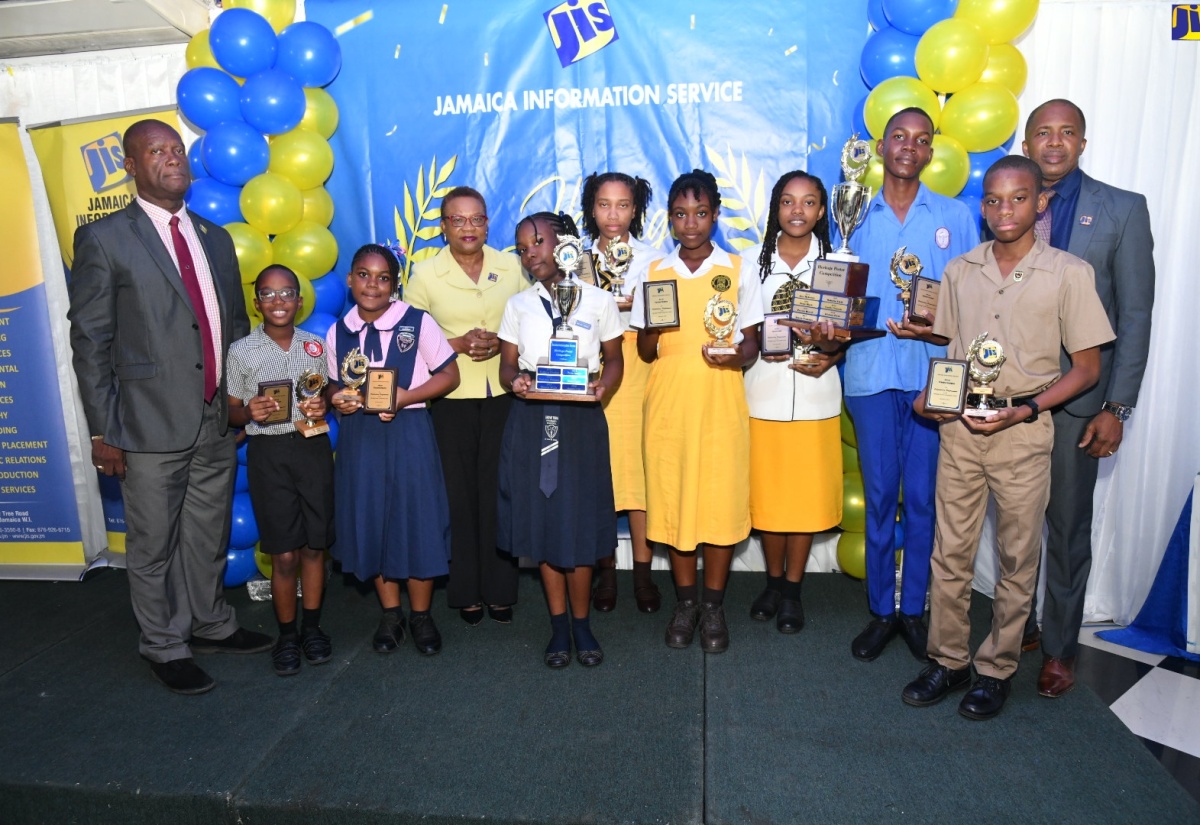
777, 730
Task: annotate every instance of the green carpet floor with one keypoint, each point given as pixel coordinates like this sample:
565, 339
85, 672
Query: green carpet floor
778, 730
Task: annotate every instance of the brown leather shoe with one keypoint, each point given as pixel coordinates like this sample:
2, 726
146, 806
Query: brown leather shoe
1057, 677
1032, 640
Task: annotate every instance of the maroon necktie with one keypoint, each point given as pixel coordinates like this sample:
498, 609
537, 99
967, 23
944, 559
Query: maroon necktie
192, 284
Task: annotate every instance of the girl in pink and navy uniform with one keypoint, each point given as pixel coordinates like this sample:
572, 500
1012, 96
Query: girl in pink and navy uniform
392, 519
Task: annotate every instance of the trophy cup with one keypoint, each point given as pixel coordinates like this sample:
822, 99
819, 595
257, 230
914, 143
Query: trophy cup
618, 255
919, 295
354, 373
848, 200
561, 375
720, 316
984, 357
309, 385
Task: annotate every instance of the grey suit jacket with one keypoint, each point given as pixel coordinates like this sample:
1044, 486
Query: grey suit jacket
1111, 232
136, 342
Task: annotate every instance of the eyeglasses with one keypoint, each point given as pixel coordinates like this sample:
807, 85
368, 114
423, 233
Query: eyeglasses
459, 221
289, 294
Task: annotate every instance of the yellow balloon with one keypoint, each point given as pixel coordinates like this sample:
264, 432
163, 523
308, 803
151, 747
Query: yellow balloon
255, 316
308, 249
854, 503
981, 116
253, 250
898, 93
849, 458
279, 13
873, 177
951, 55
848, 436
947, 173
199, 54
320, 113
852, 554
305, 158
1006, 66
999, 20
308, 299
263, 561
271, 203
318, 206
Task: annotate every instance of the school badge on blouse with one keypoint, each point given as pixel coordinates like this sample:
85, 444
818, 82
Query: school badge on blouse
720, 316
309, 385
984, 357
919, 295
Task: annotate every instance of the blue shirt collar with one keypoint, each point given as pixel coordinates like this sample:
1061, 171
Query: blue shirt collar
1068, 187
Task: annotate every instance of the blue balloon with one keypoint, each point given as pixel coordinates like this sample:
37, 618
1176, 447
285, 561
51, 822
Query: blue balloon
889, 52
1008, 144
898, 535
243, 529
195, 161
860, 122
310, 53
241, 481
243, 42
330, 291
875, 15
319, 322
980, 163
973, 204
234, 152
240, 567
241, 451
914, 16
208, 96
214, 200
273, 102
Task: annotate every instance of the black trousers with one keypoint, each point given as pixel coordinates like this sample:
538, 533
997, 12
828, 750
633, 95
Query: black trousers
469, 432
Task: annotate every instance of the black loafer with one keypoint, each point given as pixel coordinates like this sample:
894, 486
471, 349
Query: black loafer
985, 698
867, 645
604, 597
648, 599
239, 641
933, 684
285, 656
500, 615
557, 658
714, 631
682, 628
766, 605
590, 658
425, 634
472, 615
182, 676
318, 649
790, 618
390, 633
915, 636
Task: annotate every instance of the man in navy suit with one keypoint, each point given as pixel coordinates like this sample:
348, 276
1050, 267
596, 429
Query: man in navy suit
1110, 229
156, 300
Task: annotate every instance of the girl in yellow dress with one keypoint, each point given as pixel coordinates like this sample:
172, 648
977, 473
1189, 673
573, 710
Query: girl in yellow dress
614, 209
696, 437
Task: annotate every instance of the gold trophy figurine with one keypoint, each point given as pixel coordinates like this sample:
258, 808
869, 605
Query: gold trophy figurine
905, 266
720, 317
309, 385
985, 357
354, 373
618, 255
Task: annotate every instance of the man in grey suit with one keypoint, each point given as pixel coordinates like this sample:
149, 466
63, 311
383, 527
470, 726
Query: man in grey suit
156, 300
1110, 229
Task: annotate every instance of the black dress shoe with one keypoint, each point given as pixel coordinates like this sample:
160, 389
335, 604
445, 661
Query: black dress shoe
589, 658
239, 641
766, 605
390, 633
500, 615
556, 657
912, 628
318, 649
790, 618
182, 676
285, 656
472, 615
867, 645
985, 698
425, 634
604, 597
714, 632
682, 628
648, 599
933, 684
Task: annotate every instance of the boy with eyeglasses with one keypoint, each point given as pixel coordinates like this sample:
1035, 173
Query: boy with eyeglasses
291, 476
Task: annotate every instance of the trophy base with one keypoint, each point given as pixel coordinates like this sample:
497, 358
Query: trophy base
559, 397
920, 321
311, 429
721, 349
553, 382
848, 257
975, 412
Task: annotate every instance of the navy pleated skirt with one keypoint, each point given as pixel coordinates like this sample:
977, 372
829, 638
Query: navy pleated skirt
392, 518
577, 524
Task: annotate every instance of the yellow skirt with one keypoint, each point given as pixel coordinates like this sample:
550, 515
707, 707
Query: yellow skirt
623, 409
795, 475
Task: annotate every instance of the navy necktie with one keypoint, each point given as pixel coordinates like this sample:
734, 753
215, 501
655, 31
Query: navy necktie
374, 344
548, 476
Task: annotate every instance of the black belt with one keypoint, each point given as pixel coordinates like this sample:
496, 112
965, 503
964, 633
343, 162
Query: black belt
997, 403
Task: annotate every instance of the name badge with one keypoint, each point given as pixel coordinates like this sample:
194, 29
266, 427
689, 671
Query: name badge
583, 324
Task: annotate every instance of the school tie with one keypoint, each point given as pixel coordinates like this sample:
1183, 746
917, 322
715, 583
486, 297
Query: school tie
548, 475
374, 344
1042, 226
191, 283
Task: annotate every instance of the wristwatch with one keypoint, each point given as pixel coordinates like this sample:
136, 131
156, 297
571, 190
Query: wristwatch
1120, 411
1033, 405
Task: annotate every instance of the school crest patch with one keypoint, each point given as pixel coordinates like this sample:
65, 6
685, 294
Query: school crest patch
405, 338
314, 348
942, 237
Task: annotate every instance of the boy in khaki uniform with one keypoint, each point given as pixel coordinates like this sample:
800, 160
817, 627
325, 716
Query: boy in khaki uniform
1034, 300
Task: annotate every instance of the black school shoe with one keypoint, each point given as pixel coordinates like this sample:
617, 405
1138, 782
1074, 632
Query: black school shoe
790, 618
285, 656
239, 641
182, 676
318, 649
932, 685
766, 605
985, 699
916, 636
867, 645
390, 633
425, 634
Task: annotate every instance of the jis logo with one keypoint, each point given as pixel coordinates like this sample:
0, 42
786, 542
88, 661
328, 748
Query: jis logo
1185, 22
580, 29
104, 161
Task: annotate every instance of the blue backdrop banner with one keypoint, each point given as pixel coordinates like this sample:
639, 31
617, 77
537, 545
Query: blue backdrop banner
521, 100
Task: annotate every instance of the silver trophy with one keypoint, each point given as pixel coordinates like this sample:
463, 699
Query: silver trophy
848, 200
568, 292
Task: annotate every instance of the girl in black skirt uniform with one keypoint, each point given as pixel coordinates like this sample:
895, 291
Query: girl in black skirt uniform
556, 495
391, 515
